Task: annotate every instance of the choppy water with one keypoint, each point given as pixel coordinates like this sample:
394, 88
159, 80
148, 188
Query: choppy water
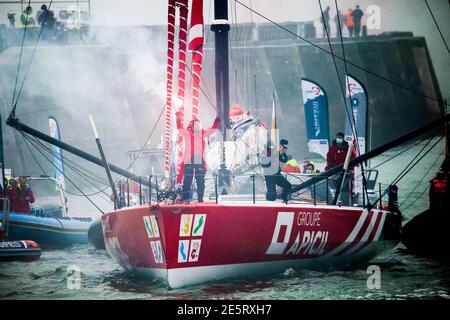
403, 276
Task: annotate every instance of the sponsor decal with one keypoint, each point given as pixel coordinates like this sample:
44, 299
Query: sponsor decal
156, 250
283, 229
194, 251
155, 228
148, 226
183, 249
305, 242
185, 225
199, 225
191, 225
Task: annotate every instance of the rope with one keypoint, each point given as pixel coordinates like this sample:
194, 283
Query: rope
31, 58
92, 202
437, 26
19, 63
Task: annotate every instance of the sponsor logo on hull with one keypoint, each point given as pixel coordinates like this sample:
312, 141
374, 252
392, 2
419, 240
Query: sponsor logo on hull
192, 226
290, 237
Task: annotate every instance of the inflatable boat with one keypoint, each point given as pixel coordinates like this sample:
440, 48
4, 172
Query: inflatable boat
48, 232
23, 250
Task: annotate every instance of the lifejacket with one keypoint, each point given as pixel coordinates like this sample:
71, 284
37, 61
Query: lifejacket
28, 18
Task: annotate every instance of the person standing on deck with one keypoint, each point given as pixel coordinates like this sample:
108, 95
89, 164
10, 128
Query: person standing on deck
274, 180
26, 18
194, 162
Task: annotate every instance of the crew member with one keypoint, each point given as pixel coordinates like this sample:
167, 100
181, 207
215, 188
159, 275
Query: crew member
277, 179
21, 196
337, 152
194, 157
349, 22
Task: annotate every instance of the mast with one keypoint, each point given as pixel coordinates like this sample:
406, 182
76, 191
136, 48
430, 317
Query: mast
220, 27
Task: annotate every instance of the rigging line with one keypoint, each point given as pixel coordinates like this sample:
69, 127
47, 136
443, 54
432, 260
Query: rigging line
31, 58
418, 197
20, 60
386, 191
437, 26
71, 164
353, 120
396, 180
91, 201
439, 140
418, 184
402, 152
36, 141
354, 134
76, 170
349, 62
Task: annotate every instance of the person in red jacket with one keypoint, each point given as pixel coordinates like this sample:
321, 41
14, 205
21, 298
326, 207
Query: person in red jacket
337, 152
194, 162
20, 196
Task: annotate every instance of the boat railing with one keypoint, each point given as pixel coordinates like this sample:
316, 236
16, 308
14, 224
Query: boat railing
5, 218
251, 187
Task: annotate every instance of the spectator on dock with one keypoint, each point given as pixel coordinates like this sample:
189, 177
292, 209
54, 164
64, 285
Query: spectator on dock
26, 18
349, 23
326, 22
20, 196
46, 19
357, 15
291, 167
339, 20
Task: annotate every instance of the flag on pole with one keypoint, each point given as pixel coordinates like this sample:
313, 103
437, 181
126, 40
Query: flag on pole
57, 153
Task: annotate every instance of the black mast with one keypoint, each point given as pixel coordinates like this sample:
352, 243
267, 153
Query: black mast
220, 27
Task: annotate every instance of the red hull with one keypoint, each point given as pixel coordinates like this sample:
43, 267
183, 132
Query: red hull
188, 244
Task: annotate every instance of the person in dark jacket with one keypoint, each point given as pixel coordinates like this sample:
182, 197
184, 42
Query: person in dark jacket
194, 162
357, 15
274, 180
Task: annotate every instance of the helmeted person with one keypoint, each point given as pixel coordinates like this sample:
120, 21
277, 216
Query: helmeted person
274, 180
21, 196
291, 167
26, 18
194, 162
337, 152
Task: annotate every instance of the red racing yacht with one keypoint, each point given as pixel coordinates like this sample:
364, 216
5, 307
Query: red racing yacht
187, 244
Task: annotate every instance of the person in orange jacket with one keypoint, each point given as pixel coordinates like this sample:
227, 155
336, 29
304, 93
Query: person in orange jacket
349, 22
194, 162
20, 196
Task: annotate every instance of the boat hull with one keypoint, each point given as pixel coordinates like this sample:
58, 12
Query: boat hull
191, 244
48, 232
